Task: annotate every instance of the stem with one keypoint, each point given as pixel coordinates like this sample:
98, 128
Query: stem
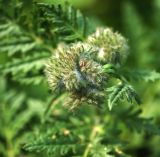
95, 130
54, 101
9, 151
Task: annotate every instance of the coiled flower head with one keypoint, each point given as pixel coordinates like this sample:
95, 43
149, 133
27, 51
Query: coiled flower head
113, 47
74, 69
78, 68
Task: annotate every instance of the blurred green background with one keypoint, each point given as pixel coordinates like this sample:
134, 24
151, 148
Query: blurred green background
139, 22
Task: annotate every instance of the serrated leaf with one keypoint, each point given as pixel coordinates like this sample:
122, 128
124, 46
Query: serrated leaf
121, 91
142, 75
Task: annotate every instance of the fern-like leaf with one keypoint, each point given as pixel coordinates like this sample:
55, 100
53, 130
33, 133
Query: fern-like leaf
134, 121
67, 23
142, 75
56, 141
121, 91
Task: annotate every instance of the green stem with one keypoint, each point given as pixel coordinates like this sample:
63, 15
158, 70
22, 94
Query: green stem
95, 131
54, 101
9, 151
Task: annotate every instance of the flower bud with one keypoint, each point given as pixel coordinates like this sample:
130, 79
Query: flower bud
112, 46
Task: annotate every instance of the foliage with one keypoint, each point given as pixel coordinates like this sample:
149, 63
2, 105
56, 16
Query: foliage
119, 92
14, 119
35, 120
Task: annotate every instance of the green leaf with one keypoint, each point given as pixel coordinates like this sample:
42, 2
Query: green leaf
142, 75
121, 91
133, 120
109, 68
67, 23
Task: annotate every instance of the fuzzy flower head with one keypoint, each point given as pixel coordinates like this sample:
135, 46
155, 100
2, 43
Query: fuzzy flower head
73, 69
113, 46
78, 68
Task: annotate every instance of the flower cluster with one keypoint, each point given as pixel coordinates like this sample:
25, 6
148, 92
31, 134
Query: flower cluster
78, 68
